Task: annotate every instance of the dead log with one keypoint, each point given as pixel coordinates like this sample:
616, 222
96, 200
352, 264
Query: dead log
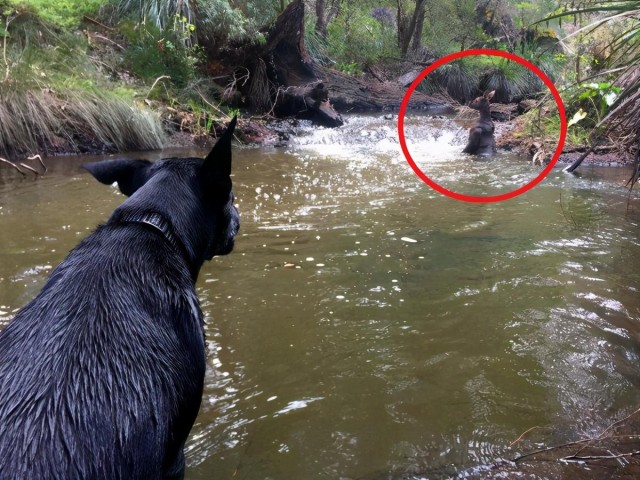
284, 80
283, 74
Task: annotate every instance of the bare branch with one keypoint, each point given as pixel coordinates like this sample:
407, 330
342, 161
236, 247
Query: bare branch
13, 165
31, 169
163, 77
33, 157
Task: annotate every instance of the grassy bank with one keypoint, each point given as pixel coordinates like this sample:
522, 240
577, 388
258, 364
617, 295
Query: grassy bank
74, 78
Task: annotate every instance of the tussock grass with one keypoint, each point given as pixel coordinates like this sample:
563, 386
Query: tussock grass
158, 12
511, 83
455, 79
47, 123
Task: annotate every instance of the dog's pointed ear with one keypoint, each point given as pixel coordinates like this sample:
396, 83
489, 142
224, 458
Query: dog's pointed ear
129, 174
489, 95
217, 165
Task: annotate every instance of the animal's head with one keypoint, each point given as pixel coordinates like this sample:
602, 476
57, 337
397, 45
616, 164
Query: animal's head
482, 103
192, 194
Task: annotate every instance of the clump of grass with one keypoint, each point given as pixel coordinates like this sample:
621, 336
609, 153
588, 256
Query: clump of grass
45, 122
456, 79
55, 99
511, 82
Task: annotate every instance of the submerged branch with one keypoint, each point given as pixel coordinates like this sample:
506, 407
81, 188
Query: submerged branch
37, 156
586, 458
4, 160
31, 169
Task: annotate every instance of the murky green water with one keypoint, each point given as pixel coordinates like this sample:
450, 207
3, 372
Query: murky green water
366, 327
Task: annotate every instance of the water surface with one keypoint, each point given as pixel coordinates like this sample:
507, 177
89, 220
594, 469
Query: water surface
367, 327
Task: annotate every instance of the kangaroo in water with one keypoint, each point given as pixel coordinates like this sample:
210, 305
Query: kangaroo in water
481, 141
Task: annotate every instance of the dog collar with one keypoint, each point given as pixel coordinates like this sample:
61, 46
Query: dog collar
159, 223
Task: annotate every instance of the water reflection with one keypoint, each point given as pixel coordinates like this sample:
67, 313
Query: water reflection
368, 327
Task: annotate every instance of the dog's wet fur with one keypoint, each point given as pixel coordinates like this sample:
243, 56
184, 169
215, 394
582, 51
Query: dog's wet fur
481, 138
101, 375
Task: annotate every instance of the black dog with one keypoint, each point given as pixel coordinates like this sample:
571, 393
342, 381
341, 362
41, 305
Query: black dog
101, 375
481, 140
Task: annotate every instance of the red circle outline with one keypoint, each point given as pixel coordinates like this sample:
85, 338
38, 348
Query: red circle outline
491, 198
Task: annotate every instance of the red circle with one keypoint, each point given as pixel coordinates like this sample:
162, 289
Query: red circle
491, 198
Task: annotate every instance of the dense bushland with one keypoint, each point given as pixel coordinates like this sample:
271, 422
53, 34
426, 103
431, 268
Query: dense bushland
146, 58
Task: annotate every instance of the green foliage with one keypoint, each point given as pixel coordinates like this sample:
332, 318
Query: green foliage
452, 26
160, 13
153, 52
219, 21
39, 55
63, 13
352, 68
595, 100
224, 20
355, 36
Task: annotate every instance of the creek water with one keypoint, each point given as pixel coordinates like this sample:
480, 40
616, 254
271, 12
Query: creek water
367, 327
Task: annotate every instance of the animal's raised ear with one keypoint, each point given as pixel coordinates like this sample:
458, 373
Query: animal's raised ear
217, 166
130, 174
489, 95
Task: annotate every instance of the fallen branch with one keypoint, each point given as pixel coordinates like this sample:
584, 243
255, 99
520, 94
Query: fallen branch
522, 436
105, 39
217, 109
636, 173
35, 172
13, 165
586, 458
579, 160
96, 22
587, 443
549, 449
33, 157
163, 77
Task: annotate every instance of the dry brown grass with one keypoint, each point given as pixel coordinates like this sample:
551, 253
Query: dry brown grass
49, 123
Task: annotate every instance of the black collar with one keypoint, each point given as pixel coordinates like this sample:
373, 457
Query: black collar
159, 223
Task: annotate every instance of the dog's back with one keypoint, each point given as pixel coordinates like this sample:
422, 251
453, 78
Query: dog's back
95, 390
101, 374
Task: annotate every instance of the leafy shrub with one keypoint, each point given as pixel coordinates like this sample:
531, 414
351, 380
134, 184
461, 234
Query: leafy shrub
359, 35
64, 13
153, 52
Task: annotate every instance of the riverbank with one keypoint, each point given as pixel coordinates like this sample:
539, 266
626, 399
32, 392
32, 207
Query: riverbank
184, 127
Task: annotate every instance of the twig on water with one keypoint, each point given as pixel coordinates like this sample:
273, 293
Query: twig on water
586, 458
549, 449
521, 436
588, 443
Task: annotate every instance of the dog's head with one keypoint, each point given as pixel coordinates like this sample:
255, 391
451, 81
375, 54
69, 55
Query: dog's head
192, 194
482, 102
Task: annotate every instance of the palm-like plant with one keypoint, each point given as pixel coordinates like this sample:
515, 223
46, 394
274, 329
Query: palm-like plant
158, 12
622, 122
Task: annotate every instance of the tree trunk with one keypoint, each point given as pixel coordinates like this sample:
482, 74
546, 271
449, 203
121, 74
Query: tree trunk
283, 73
410, 29
416, 43
321, 23
280, 77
